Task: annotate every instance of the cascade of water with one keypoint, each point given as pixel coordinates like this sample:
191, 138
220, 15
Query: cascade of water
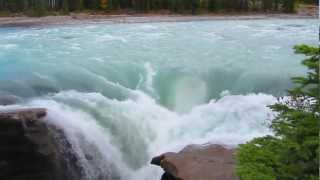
140, 93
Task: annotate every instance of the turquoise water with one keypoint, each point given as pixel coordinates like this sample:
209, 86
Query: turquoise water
126, 92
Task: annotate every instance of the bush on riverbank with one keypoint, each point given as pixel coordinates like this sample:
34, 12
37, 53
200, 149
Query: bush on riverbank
293, 152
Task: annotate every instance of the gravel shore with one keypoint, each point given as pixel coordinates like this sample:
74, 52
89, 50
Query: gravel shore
85, 18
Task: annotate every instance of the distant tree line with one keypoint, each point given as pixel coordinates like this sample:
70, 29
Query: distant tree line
40, 7
310, 1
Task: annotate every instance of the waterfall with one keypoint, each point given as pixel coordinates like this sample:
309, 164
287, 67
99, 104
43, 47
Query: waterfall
122, 93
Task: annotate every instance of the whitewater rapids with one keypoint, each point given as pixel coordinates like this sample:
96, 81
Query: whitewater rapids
123, 93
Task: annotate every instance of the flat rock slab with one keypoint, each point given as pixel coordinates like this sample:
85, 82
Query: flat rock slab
194, 162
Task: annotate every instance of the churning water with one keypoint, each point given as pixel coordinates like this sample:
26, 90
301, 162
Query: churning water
126, 92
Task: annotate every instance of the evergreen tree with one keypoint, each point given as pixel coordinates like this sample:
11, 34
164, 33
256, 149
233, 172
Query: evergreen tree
212, 5
289, 5
104, 4
293, 152
65, 6
39, 8
195, 4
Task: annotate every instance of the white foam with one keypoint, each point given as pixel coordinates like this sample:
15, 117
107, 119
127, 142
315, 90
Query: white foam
87, 138
108, 38
8, 46
148, 129
188, 92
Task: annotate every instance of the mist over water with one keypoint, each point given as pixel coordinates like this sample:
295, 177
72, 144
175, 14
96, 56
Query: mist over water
123, 93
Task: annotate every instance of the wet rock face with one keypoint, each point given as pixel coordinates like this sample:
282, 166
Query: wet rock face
8, 99
32, 149
210, 162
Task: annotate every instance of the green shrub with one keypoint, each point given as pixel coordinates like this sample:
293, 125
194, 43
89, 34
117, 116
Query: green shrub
293, 151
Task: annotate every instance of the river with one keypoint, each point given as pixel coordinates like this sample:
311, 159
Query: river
123, 93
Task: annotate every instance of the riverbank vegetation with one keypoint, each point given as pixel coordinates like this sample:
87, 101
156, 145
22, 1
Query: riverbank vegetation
48, 7
293, 152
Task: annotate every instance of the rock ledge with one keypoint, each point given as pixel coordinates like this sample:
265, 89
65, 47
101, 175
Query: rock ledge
198, 162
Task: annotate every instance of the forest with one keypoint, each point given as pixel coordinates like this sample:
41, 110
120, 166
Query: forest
45, 7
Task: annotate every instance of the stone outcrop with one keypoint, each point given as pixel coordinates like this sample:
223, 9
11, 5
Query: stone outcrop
194, 162
32, 149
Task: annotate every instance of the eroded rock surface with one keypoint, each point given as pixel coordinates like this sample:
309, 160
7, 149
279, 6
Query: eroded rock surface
194, 162
31, 149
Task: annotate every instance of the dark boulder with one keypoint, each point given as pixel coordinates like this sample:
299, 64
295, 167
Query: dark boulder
157, 160
30, 148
